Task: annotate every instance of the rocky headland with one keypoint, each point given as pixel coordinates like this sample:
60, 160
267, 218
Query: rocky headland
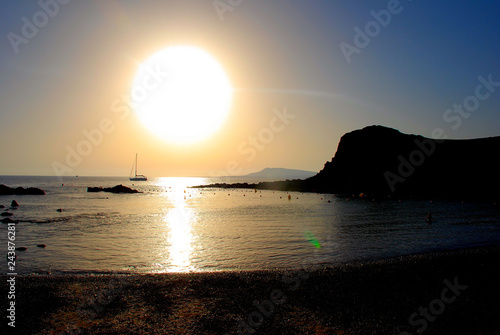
381, 162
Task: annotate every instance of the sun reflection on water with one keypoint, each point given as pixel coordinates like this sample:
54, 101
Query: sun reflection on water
179, 183
180, 239
179, 221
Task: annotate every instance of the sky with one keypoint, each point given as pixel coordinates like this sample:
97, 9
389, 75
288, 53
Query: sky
303, 73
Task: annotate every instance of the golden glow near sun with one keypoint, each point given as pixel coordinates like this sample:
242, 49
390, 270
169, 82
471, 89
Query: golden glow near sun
182, 94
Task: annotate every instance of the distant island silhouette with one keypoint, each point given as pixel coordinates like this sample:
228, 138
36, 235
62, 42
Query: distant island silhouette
380, 162
279, 173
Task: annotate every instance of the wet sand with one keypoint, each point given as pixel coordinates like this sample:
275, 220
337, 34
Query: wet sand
454, 292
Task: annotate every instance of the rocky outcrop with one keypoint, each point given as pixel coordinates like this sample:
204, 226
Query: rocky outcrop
381, 162
284, 185
6, 190
115, 189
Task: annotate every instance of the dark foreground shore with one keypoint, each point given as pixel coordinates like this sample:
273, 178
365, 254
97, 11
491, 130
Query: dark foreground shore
454, 292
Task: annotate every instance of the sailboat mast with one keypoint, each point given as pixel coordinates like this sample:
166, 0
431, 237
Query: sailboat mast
136, 165
133, 172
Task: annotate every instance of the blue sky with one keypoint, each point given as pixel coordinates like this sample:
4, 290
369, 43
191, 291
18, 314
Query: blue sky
277, 54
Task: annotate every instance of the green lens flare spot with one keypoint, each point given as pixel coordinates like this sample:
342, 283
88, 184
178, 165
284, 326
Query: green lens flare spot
312, 239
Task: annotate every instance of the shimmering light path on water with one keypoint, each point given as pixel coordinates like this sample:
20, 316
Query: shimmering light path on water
173, 228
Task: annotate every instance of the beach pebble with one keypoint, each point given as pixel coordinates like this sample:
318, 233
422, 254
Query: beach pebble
21, 248
6, 214
8, 220
41, 245
2, 206
59, 210
14, 204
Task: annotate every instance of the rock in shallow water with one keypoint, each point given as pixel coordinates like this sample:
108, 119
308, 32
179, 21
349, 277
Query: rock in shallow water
6, 190
14, 204
115, 189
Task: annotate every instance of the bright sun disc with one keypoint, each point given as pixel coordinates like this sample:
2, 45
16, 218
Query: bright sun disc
182, 94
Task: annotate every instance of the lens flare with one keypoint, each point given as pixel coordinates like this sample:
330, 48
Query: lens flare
312, 239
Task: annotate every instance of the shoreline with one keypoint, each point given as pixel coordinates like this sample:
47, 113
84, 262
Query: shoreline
313, 265
297, 185
378, 297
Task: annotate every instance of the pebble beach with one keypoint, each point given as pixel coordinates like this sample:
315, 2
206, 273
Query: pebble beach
451, 292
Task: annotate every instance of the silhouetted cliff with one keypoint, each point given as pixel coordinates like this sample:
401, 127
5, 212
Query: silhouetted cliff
381, 161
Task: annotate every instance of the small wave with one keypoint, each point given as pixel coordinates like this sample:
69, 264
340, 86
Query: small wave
65, 218
90, 272
51, 220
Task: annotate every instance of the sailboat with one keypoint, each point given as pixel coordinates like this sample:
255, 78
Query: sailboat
136, 177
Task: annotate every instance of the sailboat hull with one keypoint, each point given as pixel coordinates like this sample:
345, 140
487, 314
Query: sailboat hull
138, 178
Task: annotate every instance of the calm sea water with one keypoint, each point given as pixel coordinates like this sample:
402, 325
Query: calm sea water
173, 228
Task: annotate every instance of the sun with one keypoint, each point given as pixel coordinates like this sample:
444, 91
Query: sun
182, 94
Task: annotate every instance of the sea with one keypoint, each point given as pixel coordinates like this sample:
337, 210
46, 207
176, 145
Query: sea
172, 227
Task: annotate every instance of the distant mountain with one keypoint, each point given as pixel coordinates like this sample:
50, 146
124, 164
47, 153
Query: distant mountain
280, 174
381, 162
